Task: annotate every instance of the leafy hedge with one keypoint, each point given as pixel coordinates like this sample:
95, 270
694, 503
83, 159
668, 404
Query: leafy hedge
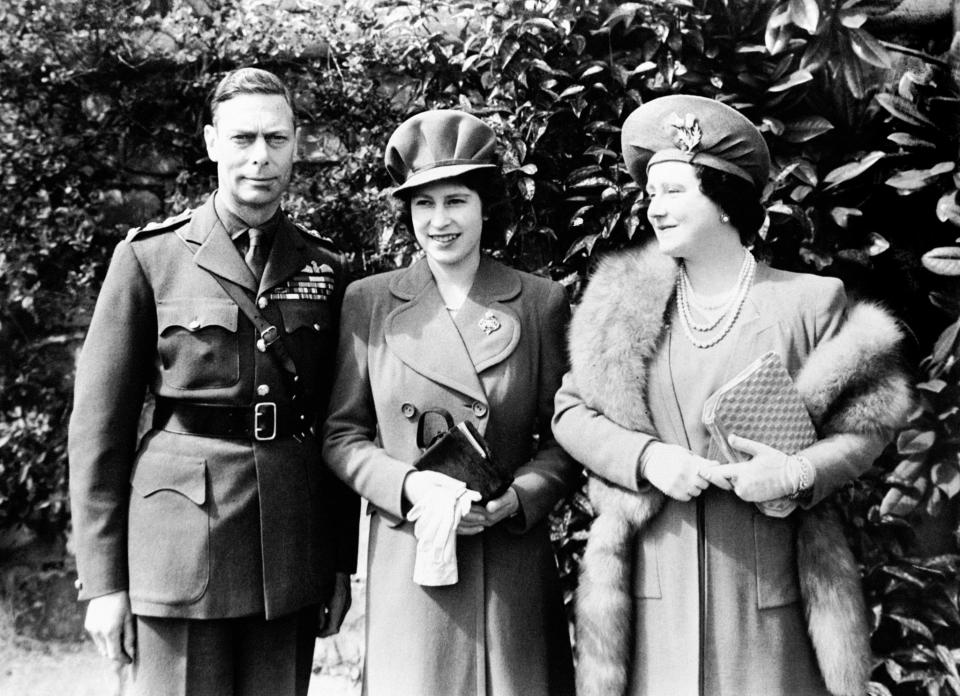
101, 108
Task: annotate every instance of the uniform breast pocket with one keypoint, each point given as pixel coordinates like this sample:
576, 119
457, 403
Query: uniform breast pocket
311, 317
198, 343
168, 529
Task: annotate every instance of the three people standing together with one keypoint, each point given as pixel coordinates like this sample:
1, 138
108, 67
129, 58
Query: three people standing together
225, 529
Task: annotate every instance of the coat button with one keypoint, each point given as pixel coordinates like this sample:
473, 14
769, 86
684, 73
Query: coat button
78, 584
408, 410
262, 302
194, 324
261, 345
316, 327
263, 389
479, 409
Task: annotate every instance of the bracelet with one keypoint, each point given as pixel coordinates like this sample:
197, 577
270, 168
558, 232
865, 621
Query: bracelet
805, 475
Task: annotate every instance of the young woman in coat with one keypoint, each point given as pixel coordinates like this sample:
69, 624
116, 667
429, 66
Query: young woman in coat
687, 587
459, 331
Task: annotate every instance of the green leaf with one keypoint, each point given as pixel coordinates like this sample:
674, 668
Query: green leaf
868, 49
805, 129
582, 173
904, 110
795, 78
584, 244
943, 261
852, 169
841, 215
946, 477
906, 140
805, 14
914, 441
948, 210
572, 90
913, 625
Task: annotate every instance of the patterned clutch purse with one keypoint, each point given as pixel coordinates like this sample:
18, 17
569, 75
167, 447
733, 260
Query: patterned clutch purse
761, 403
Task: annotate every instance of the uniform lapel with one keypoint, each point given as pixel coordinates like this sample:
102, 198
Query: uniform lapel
421, 333
288, 255
217, 252
490, 329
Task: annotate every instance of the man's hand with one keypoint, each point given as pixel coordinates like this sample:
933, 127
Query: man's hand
335, 610
110, 623
482, 516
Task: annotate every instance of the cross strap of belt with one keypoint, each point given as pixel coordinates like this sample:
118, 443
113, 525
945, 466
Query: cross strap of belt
266, 322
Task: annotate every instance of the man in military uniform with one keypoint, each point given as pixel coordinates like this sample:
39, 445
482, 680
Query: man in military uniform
207, 549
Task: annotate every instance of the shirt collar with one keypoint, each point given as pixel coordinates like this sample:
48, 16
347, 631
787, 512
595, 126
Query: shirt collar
235, 225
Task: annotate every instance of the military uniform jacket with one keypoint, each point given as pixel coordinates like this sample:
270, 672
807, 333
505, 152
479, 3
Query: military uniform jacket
197, 526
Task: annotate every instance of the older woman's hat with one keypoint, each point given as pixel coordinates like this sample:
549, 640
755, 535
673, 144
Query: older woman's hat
436, 145
697, 130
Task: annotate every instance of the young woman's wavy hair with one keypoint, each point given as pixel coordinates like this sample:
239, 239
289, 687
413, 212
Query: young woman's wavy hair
491, 187
736, 197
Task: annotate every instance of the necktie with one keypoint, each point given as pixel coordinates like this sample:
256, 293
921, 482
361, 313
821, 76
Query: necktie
256, 256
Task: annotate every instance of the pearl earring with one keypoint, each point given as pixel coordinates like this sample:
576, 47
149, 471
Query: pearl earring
724, 218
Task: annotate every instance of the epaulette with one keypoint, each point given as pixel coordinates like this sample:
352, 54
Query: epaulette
316, 235
171, 223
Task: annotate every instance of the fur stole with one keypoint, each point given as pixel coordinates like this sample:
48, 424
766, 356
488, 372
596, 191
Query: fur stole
851, 383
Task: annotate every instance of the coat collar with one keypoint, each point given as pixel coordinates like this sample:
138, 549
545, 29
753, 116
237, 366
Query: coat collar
454, 351
218, 253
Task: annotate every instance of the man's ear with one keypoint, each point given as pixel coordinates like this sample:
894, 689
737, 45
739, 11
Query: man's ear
210, 138
296, 143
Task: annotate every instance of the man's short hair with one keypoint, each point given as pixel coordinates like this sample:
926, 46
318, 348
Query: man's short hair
249, 81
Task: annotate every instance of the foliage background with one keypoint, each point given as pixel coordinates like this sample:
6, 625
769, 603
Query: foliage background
101, 112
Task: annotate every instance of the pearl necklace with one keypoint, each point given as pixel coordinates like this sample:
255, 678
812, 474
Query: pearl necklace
726, 313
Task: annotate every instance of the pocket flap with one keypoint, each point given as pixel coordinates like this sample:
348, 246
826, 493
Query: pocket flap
171, 472
195, 314
312, 315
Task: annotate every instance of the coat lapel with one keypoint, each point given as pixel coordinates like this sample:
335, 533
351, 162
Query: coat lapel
422, 334
217, 252
751, 323
490, 329
288, 255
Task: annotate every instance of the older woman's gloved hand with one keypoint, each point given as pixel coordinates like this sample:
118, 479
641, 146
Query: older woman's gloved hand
677, 471
768, 475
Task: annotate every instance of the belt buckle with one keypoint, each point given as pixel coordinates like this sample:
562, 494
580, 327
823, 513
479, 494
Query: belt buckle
265, 410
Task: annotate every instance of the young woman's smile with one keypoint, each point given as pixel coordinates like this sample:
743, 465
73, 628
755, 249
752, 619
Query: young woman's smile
447, 222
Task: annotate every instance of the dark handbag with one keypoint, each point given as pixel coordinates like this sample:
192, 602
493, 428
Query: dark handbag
461, 453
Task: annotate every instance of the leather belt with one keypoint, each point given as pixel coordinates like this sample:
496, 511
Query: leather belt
262, 421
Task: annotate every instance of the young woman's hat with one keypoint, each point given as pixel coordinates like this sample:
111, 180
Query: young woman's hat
438, 144
697, 130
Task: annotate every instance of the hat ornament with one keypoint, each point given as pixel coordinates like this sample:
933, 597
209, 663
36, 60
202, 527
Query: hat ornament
688, 133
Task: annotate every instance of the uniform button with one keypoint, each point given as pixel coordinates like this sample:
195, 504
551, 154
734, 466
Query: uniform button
261, 345
408, 410
262, 302
479, 409
194, 324
78, 584
263, 389
316, 327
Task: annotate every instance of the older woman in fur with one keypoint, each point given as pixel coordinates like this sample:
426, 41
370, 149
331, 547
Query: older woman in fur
687, 586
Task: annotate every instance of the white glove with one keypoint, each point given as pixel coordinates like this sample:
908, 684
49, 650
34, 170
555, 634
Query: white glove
435, 519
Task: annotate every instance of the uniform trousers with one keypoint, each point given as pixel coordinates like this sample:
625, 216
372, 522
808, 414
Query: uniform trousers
244, 656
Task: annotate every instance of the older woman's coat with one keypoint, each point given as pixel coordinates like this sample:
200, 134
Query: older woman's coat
497, 362
706, 598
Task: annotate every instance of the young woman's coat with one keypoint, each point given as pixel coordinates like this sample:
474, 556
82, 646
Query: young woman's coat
705, 599
501, 629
